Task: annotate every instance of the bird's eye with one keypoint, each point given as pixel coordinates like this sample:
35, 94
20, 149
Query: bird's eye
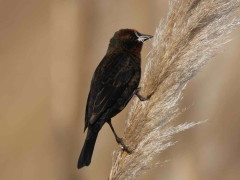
133, 38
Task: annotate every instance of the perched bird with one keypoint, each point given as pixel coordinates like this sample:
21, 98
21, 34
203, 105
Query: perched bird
114, 82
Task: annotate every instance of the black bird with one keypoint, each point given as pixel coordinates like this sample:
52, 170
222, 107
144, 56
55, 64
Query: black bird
114, 82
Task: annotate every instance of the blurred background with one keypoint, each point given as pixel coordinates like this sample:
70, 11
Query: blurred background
49, 50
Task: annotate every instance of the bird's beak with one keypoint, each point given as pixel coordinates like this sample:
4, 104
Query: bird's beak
143, 37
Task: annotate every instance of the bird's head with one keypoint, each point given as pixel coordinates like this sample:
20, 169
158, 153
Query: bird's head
129, 39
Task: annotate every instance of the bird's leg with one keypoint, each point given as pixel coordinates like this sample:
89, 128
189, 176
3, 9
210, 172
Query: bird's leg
141, 97
118, 139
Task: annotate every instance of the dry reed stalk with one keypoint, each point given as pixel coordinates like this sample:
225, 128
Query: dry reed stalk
191, 35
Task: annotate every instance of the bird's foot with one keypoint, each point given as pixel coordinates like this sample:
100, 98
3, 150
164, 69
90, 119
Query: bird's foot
141, 97
124, 147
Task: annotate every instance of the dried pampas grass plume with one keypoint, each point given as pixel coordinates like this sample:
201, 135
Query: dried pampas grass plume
191, 35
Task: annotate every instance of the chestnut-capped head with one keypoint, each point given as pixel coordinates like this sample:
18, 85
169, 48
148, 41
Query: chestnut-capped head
129, 39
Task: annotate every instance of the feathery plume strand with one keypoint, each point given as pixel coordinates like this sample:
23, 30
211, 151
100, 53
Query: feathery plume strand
190, 35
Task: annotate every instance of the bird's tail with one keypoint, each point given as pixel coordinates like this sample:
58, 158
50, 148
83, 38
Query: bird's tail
87, 150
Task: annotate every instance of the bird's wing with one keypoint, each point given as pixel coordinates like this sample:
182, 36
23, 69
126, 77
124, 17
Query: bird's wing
109, 81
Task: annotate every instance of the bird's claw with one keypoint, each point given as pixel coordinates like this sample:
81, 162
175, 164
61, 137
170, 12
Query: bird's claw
141, 97
124, 147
